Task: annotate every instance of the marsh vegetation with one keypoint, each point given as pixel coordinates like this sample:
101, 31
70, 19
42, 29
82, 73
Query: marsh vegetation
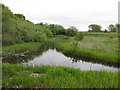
17, 76
23, 41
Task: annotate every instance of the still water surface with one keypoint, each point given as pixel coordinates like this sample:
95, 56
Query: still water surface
53, 57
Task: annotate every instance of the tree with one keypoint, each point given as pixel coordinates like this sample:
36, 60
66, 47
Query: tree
72, 31
57, 29
94, 28
117, 27
15, 29
52, 28
112, 28
105, 31
20, 16
40, 24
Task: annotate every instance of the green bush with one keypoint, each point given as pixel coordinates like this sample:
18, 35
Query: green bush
79, 36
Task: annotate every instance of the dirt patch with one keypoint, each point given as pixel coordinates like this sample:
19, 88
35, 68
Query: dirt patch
35, 75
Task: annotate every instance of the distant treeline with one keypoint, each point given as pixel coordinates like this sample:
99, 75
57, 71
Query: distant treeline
97, 28
16, 29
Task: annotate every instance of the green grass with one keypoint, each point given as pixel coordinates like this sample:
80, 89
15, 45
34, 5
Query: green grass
96, 48
101, 44
99, 34
56, 77
18, 48
69, 48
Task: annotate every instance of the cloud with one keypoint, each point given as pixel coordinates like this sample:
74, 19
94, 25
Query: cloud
79, 13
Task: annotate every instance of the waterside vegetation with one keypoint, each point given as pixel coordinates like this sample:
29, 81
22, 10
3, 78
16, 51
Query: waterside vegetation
18, 76
21, 37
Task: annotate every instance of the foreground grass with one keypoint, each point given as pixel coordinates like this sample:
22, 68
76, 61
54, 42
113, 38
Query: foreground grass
17, 76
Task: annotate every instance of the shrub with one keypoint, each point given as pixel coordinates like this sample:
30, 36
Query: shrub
79, 36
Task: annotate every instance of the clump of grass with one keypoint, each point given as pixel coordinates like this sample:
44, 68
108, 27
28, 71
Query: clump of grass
56, 77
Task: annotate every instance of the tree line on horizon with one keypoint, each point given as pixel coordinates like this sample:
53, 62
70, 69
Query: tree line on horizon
97, 28
16, 29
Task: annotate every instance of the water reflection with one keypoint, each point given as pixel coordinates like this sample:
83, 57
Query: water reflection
53, 57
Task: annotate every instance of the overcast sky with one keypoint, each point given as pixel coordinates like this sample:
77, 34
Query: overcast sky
78, 13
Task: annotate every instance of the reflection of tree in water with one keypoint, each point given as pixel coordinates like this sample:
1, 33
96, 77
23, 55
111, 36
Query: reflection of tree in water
74, 60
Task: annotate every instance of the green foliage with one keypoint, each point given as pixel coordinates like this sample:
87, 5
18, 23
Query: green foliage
56, 77
72, 31
20, 16
69, 49
117, 27
112, 28
62, 37
12, 49
93, 47
57, 29
79, 36
94, 28
105, 31
16, 29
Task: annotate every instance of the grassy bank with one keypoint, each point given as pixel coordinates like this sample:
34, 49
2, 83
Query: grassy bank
56, 77
101, 42
103, 47
76, 51
96, 48
18, 48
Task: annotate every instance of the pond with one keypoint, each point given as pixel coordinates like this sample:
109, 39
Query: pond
53, 57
